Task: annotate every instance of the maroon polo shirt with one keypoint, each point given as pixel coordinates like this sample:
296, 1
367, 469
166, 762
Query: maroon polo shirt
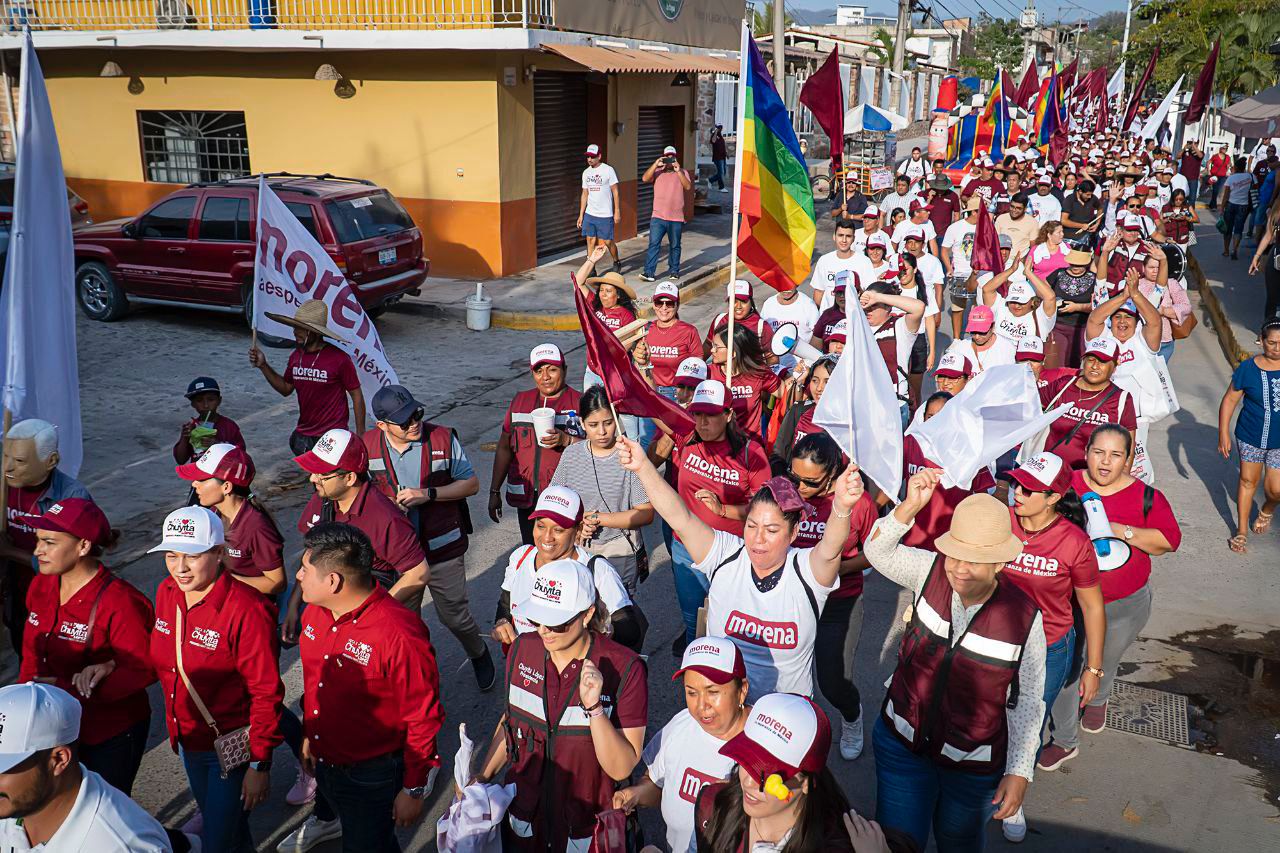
321, 380
395, 545
254, 545
1084, 408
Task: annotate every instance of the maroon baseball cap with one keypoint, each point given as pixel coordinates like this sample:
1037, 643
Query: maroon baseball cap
1044, 472
785, 734
221, 461
77, 517
337, 450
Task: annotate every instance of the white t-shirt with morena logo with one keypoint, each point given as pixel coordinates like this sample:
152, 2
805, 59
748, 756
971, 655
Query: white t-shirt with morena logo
682, 759
775, 630
597, 182
519, 578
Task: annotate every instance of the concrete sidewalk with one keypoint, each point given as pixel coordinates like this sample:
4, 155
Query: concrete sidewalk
541, 298
1233, 299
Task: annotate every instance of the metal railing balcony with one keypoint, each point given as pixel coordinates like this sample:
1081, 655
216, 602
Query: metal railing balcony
314, 15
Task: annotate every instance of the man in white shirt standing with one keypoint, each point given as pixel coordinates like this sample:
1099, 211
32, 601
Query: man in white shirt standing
823, 279
48, 799
957, 246
901, 197
916, 168
1044, 205
598, 208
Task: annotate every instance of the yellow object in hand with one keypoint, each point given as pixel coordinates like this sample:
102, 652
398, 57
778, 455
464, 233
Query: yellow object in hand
776, 787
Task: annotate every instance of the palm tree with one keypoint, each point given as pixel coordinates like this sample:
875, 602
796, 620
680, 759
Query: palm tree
762, 19
884, 48
1245, 65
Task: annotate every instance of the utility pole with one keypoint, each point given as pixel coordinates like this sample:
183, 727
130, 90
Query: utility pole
780, 47
900, 52
1128, 18
1028, 25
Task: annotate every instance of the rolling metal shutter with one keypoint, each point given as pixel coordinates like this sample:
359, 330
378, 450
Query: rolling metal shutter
560, 138
657, 131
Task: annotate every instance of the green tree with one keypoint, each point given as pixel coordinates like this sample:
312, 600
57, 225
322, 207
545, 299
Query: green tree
884, 48
762, 19
997, 44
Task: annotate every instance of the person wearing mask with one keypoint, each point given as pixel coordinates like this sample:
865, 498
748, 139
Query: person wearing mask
781, 796
1082, 215
525, 461
423, 469
744, 316
208, 427
670, 339
88, 633
1056, 569
365, 657
214, 650
558, 524
1236, 188
798, 423
752, 384
685, 755
1095, 400
1142, 519
1073, 289
957, 246
1049, 249
577, 705
1257, 434
1017, 225
956, 741
51, 800
322, 375
1043, 205
764, 593
599, 210
615, 507
815, 465
670, 183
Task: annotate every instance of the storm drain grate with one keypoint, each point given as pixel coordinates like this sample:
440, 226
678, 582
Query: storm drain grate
1142, 711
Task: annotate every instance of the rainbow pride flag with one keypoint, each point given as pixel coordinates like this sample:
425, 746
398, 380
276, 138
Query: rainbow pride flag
1049, 112
778, 230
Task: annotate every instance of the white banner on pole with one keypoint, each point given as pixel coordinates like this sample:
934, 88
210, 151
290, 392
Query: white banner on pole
291, 268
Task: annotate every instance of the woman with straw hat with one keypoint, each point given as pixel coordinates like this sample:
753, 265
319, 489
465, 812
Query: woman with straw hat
956, 740
323, 375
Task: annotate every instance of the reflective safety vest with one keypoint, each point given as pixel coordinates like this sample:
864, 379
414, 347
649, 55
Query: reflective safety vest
442, 525
560, 785
947, 701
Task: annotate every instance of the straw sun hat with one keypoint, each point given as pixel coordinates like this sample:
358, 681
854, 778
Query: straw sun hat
311, 316
613, 278
980, 532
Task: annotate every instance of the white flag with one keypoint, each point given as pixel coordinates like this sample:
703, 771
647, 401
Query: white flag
1115, 86
1156, 120
38, 306
996, 411
860, 407
291, 268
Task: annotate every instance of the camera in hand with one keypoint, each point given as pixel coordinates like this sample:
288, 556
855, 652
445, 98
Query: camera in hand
669, 161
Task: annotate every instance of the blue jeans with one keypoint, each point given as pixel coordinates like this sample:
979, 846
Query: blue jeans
659, 228
226, 823
720, 172
363, 795
1166, 351
118, 758
913, 794
691, 587
1058, 659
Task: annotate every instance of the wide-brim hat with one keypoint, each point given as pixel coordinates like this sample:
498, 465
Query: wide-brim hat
612, 278
311, 316
941, 182
1078, 258
980, 532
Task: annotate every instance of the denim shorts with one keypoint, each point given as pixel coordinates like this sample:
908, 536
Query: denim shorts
597, 226
1269, 457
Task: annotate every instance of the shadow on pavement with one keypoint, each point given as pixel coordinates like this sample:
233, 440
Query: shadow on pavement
1047, 835
1196, 444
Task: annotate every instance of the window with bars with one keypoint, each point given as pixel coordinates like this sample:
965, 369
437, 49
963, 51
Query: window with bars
186, 147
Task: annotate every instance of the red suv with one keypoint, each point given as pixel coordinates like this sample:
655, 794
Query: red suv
195, 247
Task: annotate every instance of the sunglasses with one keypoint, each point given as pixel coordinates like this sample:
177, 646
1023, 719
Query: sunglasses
813, 484
418, 414
670, 302
554, 629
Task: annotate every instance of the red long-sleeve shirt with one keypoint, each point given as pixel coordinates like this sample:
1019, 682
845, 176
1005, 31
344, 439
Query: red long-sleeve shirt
370, 685
57, 644
229, 653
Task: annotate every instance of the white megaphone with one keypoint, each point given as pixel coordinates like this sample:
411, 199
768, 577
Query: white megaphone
1112, 551
786, 341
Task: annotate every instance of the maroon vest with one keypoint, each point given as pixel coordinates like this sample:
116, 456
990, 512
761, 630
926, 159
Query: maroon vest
552, 757
442, 525
948, 702
886, 337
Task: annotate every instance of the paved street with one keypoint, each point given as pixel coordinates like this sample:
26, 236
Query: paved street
1124, 792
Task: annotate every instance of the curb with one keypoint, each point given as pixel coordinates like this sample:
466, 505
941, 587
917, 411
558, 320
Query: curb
1217, 316
717, 275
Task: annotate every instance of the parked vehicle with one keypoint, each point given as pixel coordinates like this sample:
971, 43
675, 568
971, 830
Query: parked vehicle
79, 210
195, 247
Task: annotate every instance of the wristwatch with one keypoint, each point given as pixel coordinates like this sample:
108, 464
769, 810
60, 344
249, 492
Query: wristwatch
431, 494
418, 793
1094, 670
263, 766
1128, 532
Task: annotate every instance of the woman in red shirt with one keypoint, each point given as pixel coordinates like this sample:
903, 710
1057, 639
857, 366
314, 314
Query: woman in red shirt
798, 420
670, 339
753, 382
744, 314
87, 633
1141, 519
215, 639
1179, 218
816, 463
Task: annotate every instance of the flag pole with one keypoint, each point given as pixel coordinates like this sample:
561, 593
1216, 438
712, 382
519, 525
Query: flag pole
740, 127
4, 490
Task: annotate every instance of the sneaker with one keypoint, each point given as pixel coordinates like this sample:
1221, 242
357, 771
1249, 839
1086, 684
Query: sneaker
1095, 718
724, 189
679, 645
313, 831
1052, 756
303, 790
851, 739
619, 266
644, 276
195, 825
1015, 828
486, 674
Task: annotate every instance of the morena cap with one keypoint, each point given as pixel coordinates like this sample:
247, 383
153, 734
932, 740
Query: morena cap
337, 450
545, 354
709, 398
222, 461
560, 504
785, 734
718, 658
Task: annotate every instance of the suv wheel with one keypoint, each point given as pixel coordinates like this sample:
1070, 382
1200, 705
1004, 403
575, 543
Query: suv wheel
99, 296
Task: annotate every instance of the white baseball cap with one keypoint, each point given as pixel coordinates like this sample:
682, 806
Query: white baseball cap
709, 398
336, 450
666, 290
1132, 222
1044, 472
1020, 291
913, 233
785, 734
872, 211
34, 717
191, 530
561, 590
223, 461
953, 365
593, 150
1030, 348
742, 289
670, 149
718, 658
1103, 348
878, 239
840, 331
546, 354
691, 372
560, 504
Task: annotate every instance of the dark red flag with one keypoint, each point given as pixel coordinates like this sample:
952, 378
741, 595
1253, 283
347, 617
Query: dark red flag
1136, 98
627, 389
1204, 86
1007, 86
823, 94
986, 245
1068, 76
1028, 89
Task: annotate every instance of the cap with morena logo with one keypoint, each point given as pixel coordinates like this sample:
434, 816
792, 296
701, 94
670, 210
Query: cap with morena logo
336, 450
559, 504
222, 461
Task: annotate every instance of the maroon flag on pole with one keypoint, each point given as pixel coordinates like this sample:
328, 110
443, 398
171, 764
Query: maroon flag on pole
1028, 89
1204, 86
627, 389
986, 244
1007, 86
1136, 98
823, 94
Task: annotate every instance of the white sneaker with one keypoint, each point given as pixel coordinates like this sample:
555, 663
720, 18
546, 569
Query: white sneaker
312, 832
851, 739
1015, 828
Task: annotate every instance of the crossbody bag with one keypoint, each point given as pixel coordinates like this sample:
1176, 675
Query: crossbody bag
231, 749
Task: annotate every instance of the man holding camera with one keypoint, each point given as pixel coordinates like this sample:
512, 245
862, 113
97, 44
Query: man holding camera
670, 182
